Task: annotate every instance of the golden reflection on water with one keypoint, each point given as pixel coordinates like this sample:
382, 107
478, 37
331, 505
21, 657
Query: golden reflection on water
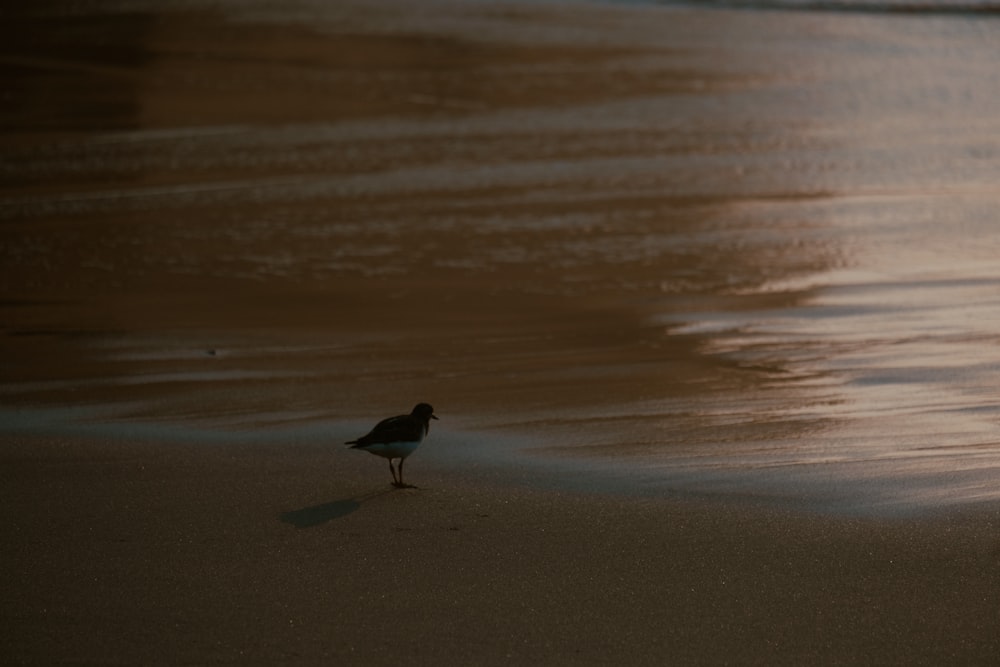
702, 266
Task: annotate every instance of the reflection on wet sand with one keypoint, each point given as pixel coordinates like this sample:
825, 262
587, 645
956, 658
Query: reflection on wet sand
627, 247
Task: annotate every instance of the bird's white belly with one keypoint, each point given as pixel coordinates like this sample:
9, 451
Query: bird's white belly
393, 450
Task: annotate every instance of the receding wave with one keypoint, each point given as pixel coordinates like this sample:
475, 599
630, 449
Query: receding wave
903, 7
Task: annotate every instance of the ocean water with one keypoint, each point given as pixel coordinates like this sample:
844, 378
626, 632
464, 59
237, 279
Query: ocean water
911, 7
882, 354
629, 247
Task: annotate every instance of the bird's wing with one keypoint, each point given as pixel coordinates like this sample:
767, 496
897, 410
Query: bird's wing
394, 429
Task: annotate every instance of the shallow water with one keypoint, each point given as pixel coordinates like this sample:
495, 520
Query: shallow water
595, 240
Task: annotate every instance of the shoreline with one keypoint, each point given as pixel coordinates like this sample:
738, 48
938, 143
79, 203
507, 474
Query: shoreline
228, 236
543, 459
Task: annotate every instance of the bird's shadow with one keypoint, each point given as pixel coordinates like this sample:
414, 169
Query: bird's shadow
317, 515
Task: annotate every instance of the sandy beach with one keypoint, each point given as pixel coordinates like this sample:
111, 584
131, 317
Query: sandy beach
139, 553
233, 235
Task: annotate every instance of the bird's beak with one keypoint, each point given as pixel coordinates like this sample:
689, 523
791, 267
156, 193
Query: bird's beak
433, 416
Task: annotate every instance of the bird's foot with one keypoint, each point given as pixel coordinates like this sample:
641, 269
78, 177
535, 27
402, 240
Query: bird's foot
401, 485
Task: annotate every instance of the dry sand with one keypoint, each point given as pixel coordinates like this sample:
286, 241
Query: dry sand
141, 553
137, 551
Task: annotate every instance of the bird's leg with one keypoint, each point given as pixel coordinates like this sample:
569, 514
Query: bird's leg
392, 470
401, 484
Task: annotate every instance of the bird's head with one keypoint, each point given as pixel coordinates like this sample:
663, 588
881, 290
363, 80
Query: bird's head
423, 411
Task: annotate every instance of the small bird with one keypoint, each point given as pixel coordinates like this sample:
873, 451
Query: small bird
397, 438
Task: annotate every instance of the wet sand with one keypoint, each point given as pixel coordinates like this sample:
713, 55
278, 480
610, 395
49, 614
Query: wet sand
232, 238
